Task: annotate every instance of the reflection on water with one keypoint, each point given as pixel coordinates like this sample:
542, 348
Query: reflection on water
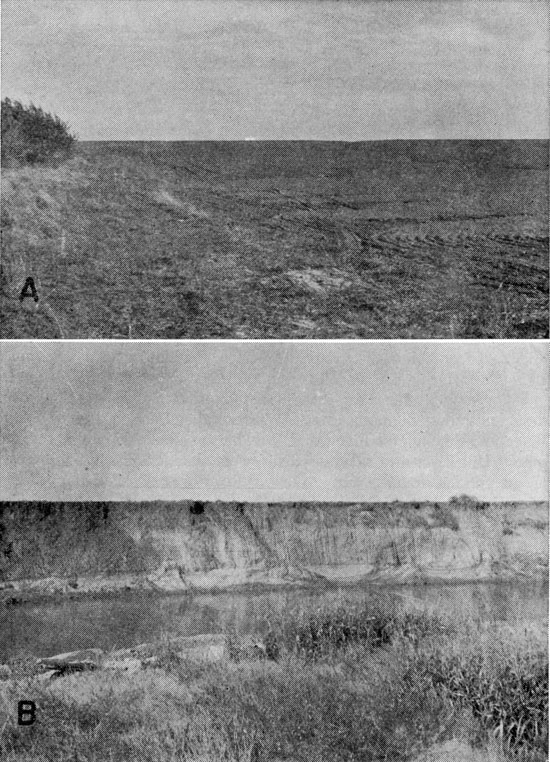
48, 628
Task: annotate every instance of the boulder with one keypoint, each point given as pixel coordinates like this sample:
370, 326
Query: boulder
75, 661
45, 677
141, 651
130, 660
207, 647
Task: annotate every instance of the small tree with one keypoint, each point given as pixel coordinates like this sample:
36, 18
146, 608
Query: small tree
32, 136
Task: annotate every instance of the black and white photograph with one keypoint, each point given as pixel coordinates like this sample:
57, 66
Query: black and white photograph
264, 169
274, 551
274, 381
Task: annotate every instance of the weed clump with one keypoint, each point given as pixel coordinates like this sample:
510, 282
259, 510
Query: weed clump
32, 136
324, 632
506, 691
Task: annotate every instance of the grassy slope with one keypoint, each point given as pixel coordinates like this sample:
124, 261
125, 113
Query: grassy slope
298, 240
433, 690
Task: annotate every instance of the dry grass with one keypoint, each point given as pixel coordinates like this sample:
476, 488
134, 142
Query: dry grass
356, 701
301, 240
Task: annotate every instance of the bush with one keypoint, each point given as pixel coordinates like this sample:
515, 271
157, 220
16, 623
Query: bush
467, 501
445, 518
32, 136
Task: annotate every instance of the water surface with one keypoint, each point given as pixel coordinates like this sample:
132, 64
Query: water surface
48, 628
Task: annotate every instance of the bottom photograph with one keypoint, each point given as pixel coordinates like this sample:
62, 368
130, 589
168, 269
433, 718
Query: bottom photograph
253, 552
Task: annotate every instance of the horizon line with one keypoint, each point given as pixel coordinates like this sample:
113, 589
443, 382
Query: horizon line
479, 501
306, 140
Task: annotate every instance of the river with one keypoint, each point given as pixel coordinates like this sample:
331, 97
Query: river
47, 628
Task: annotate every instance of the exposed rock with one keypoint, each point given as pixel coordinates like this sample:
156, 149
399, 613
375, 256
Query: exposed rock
14, 600
169, 579
75, 661
202, 647
5, 672
46, 677
143, 650
207, 647
123, 665
231, 545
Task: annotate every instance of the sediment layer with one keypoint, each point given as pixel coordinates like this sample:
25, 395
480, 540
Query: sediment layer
92, 548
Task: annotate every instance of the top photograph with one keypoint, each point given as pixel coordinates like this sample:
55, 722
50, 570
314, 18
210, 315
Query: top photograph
269, 169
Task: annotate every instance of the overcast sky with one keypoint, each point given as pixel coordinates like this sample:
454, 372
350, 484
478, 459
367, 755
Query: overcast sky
313, 69
276, 421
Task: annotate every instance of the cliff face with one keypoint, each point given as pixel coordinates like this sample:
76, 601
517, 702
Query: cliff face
178, 546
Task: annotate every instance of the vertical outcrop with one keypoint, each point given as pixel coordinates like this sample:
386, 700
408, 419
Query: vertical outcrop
182, 546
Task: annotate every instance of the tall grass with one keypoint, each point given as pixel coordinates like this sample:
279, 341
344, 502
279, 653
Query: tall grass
341, 687
372, 624
504, 685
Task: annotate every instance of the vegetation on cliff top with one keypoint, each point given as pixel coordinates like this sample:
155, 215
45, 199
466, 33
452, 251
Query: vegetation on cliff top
30, 135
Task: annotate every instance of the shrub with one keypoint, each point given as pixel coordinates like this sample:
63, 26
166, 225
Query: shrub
196, 508
445, 518
467, 501
32, 136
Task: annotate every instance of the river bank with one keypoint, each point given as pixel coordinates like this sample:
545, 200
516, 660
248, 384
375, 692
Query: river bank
79, 549
99, 588
353, 682
50, 550
123, 620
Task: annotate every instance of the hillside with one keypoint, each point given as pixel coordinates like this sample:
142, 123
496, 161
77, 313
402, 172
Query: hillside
93, 547
389, 239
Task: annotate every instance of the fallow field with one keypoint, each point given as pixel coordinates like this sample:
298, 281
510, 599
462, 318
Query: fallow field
391, 239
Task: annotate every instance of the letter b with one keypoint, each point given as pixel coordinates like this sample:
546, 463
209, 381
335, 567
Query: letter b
26, 712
